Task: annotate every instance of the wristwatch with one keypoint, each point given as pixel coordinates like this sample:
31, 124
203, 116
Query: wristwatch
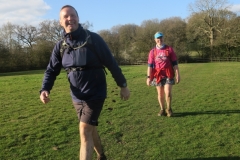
124, 85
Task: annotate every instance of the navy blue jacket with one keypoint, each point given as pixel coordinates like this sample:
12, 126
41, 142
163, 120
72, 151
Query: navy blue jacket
88, 84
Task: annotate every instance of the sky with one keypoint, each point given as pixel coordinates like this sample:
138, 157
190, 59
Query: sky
102, 14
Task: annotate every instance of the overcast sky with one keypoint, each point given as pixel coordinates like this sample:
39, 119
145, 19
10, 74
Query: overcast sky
103, 14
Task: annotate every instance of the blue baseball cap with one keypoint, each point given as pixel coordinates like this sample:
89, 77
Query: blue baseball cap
158, 34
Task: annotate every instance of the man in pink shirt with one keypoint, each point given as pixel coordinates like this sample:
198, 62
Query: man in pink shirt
162, 69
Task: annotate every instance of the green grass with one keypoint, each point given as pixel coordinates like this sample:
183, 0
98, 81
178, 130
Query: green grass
206, 125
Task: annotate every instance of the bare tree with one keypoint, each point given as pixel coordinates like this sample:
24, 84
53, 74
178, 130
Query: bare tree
213, 12
87, 25
27, 34
7, 35
196, 39
51, 31
229, 39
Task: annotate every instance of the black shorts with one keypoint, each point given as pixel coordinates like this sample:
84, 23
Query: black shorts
88, 112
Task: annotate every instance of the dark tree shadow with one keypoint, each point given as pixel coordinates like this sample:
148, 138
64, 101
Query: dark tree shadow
212, 158
183, 114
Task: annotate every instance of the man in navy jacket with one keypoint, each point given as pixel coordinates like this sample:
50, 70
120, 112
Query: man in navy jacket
84, 65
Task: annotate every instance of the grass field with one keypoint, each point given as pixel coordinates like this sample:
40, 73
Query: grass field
206, 124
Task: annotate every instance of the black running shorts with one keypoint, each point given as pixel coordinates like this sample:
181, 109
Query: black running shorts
88, 112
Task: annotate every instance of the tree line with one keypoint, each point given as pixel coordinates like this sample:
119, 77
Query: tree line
211, 31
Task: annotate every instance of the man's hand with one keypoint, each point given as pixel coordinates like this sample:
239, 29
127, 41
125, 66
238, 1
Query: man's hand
148, 81
125, 93
44, 97
177, 78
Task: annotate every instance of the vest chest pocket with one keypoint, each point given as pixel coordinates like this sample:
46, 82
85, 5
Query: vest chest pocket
80, 57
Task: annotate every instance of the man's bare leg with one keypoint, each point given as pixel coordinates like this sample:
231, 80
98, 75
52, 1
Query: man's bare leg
86, 137
168, 96
97, 142
161, 100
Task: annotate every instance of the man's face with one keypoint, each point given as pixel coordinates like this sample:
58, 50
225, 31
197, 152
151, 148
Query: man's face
69, 19
159, 41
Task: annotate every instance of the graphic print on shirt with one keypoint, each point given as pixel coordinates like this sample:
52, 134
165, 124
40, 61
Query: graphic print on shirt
161, 57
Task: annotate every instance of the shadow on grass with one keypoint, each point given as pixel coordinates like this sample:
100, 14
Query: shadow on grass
212, 158
183, 114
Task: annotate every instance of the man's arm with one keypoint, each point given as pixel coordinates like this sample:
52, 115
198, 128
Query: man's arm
149, 78
52, 71
177, 73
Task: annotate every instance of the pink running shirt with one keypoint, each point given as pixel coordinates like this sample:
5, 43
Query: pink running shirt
161, 60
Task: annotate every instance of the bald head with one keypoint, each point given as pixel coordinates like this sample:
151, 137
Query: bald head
69, 18
68, 6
